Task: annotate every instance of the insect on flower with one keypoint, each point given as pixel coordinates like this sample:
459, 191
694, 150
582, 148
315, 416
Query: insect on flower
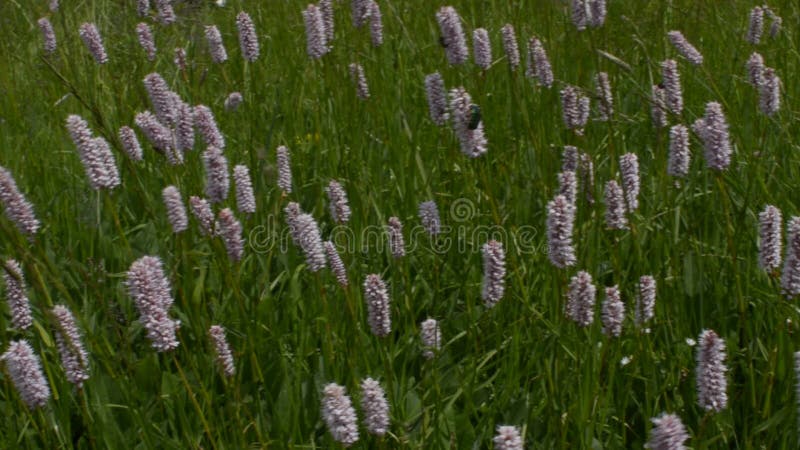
475, 117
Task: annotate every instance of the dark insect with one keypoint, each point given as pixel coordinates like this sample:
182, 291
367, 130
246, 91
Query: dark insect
475, 117
442, 41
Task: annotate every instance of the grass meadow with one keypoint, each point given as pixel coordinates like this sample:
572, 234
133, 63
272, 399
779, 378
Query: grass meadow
291, 331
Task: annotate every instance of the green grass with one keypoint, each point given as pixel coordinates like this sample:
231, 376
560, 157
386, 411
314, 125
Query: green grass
521, 363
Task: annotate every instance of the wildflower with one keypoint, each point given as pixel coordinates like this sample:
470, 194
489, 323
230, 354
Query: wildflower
568, 186
429, 216
360, 11
470, 135
672, 86
143, 7
570, 159
166, 15
337, 266
159, 135
180, 58
560, 223
326, 10
204, 119
756, 27
130, 143
248, 40
605, 103
48, 35
711, 382
73, 354
455, 44
233, 101
293, 211
581, 14
94, 153
150, 290
231, 231
378, 307
776, 22
645, 300
615, 207
437, 101
91, 38
686, 49
184, 128
18, 303
510, 45
613, 312
145, 35
222, 350
315, 32
339, 415
176, 211
629, 166
790, 278
201, 210
713, 130
494, 272
538, 63
678, 165
755, 68
17, 208
597, 9
306, 232
482, 48
375, 407
284, 169
245, 199
215, 45
161, 98
575, 109
770, 222
508, 438
658, 106
25, 371
375, 23
217, 181
340, 210
580, 299
431, 337
668, 433
394, 230
357, 74
769, 92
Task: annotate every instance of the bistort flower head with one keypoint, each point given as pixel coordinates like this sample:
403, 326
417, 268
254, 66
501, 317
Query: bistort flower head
508, 438
712, 384
25, 371
668, 433
375, 407
150, 290
222, 350
494, 272
581, 298
452, 35
378, 305
17, 208
560, 223
248, 40
73, 354
339, 415
770, 222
